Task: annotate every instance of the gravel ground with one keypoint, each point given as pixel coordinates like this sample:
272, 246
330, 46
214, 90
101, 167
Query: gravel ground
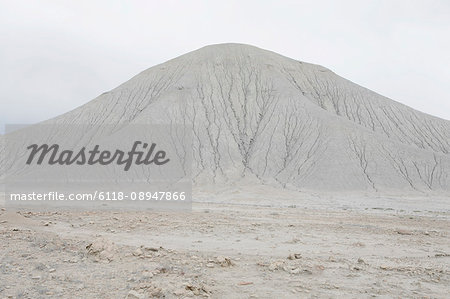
225, 251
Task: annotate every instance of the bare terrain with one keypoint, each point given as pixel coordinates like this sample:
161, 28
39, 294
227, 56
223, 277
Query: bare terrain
239, 249
323, 152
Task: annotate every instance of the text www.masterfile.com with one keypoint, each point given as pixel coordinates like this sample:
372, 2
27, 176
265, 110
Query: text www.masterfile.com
99, 195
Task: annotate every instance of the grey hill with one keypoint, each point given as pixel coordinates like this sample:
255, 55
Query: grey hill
263, 118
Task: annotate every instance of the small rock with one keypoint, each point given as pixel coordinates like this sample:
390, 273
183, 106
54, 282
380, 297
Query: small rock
210, 265
403, 232
147, 274
319, 267
277, 265
134, 295
80, 287
294, 256
138, 252
245, 283
51, 270
442, 254
36, 277
224, 261
156, 292
179, 292
197, 290
102, 249
295, 271
151, 249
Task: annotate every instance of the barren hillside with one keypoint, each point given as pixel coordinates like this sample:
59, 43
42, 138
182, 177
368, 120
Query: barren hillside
274, 120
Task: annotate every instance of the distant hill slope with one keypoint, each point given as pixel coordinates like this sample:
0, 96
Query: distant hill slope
275, 120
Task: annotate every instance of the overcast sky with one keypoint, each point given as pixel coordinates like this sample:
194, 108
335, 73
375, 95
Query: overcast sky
58, 55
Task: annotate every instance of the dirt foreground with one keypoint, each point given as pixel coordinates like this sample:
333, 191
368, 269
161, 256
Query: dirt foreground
225, 251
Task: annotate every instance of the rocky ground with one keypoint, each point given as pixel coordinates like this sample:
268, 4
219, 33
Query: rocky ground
225, 251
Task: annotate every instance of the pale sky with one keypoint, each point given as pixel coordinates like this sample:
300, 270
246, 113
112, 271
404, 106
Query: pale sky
58, 55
